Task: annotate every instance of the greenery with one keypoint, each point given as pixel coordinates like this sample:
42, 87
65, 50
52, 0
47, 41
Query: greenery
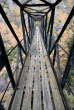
12, 55
37, 23
71, 73
5, 6
70, 81
9, 48
5, 74
70, 41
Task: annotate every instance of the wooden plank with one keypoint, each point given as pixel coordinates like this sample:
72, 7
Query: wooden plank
45, 86
47, 103
23, 79
30, 79
37, 87
28, 92
46, 92
19, 92
29, 86
55, 91
27, 72
17, 100
33, 47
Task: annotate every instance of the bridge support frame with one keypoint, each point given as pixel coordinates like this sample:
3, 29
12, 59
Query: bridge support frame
6, 63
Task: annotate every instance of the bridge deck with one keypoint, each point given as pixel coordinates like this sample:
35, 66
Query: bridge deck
37, 88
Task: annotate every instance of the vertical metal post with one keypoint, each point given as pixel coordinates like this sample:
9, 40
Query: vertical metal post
20, 54
46, 31
54, 56
29, 28
58, 59
49, 26
6, 62
40, 26
43, 29
23, 27
32, 27
51, 29
27, 37
17, 65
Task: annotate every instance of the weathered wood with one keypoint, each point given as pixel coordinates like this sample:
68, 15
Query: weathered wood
22, 84
30, 77
28, 92
17, 100
19, 92
37, 84
46, 92
47, 102
55, 91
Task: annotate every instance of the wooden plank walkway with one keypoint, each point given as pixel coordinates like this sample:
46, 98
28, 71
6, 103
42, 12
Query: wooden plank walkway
37, 88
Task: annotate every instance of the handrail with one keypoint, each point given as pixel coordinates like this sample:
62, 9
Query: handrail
13, 48
63, 49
